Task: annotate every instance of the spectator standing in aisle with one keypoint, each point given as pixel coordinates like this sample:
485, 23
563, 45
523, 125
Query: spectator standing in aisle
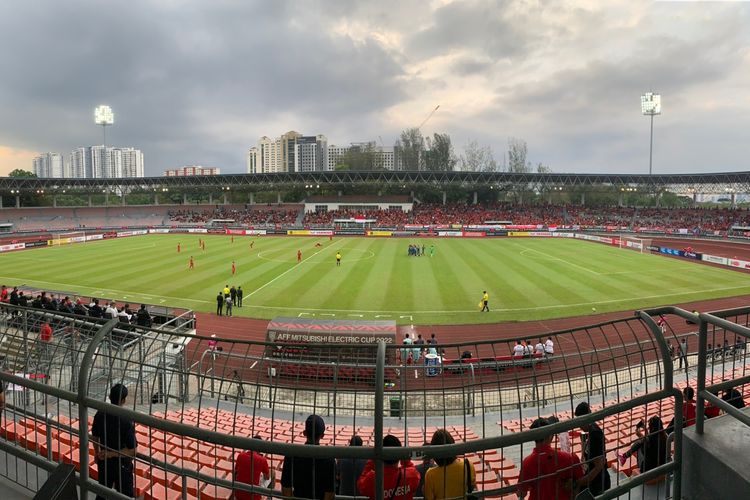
239, 296
683, 353
219, 303
547, 473
115, 444
304, 477
594, 455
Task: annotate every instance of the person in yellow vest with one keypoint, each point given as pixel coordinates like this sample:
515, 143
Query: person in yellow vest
226, 291
485, 301
338, 259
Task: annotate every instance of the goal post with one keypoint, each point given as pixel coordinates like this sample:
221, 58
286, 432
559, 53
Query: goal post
638, 244
69, 237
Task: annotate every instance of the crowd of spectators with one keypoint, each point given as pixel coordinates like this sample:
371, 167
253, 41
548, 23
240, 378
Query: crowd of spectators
694, 220
64, 304
255, 215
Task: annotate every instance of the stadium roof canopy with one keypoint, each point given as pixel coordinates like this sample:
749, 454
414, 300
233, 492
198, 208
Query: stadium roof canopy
718, 182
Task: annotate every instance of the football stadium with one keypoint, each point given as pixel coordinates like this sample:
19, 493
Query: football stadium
373, 330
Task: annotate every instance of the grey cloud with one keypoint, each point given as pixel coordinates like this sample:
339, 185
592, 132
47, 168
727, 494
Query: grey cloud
170, 70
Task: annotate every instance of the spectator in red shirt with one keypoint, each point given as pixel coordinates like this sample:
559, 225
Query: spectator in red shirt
400, 481
548, 473
248, 469
688, 410
688, 406
45, 333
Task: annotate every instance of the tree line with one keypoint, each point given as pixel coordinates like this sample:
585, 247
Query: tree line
436, 153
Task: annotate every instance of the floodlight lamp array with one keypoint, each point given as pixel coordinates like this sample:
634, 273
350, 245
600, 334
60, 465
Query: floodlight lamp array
103, 115
651, 104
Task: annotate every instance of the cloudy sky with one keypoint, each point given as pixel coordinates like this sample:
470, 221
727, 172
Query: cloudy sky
198, 82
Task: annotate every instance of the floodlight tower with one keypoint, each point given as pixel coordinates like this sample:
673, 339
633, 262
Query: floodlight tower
650, 106
103, 116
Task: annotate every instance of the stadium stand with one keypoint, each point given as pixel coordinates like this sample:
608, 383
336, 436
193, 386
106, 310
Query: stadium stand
715, 221
192, 416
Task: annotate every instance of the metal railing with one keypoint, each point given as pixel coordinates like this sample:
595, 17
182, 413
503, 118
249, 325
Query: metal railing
622, 368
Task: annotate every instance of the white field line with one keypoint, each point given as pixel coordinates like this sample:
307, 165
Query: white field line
552, 257
123, 292
518, 309
285, 273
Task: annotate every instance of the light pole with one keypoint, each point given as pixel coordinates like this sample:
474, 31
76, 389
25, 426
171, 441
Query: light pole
651, 105
103, 116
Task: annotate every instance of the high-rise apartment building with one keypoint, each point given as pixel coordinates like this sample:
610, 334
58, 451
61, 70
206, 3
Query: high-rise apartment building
381, 157
50, 165
311, 154
98, 162
283, 154
191, 170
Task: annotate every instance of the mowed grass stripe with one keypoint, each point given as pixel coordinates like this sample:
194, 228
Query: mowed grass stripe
537, 281
443, 289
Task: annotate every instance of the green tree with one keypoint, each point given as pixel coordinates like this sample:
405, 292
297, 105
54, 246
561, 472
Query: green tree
21, 173
478, 158
439, 155
409, 149
517, 151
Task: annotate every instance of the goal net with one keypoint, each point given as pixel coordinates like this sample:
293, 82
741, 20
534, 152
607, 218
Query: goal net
637, 244
68, 238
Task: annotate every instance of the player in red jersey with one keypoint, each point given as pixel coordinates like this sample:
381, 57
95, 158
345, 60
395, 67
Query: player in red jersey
191, 265
299, 256
234, 268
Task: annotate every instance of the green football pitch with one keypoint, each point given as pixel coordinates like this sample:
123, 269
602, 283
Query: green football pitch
526, 278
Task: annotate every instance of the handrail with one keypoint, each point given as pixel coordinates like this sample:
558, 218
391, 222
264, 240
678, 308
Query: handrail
86, 402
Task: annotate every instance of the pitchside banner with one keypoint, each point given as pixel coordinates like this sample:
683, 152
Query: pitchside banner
13, 246
379, 233
309, 232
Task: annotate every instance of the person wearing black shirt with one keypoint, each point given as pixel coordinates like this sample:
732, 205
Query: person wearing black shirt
733, 397
239, 296
233, 295
143, 318
348, 470
309, 477
115, 445
594, 455
219, 303
95, 311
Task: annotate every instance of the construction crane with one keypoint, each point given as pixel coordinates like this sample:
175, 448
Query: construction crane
428, 117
